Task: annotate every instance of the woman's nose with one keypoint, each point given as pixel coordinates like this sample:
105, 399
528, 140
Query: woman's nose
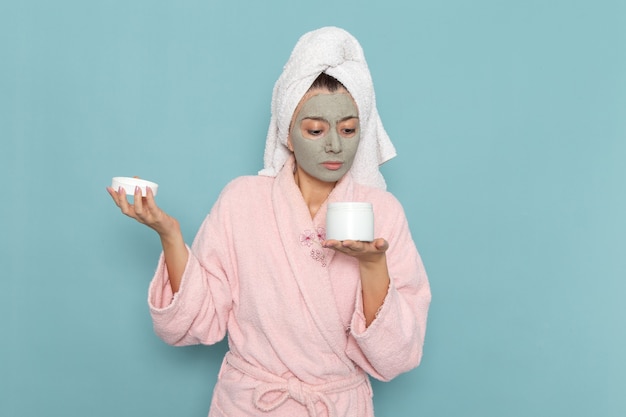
333, 142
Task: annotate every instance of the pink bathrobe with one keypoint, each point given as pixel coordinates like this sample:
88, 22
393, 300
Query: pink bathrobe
292, 309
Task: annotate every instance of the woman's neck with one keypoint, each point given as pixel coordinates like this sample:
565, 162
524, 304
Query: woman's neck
314, 191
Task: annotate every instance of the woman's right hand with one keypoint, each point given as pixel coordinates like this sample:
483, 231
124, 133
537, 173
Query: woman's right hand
144, 210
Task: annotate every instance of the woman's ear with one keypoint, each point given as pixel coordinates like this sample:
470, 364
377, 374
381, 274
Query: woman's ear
289, 145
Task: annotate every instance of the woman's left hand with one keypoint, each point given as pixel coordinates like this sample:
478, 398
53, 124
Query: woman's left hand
364, 251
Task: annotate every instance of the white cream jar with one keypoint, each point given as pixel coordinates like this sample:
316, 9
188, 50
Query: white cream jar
350, 221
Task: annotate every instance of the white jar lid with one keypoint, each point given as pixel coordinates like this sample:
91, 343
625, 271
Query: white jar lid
128, 184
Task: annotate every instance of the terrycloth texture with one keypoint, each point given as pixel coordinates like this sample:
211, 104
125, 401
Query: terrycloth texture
280, 389
337, 53
291, 308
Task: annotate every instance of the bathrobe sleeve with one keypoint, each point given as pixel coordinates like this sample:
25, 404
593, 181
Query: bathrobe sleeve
393, 342
198, 312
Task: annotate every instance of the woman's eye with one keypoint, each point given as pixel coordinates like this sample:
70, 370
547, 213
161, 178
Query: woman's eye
313, 128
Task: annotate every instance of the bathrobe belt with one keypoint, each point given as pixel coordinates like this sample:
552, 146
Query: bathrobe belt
303, 393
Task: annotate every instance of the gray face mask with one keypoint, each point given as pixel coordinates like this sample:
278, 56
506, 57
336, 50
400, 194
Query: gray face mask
325, 135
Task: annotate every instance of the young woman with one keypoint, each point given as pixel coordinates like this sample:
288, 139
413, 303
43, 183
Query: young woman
307, 318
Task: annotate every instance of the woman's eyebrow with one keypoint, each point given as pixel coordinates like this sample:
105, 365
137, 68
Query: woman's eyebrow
323, 119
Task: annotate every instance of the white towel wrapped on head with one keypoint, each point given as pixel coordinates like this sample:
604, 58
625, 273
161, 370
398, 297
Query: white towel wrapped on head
337, 53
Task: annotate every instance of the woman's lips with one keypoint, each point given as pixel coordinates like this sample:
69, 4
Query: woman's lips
332, 165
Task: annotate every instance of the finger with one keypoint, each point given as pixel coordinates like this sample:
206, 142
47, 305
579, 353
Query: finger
331, 243
149, 199
354, 245
381, 244
138, 201
123, 202
113, 195
148, 206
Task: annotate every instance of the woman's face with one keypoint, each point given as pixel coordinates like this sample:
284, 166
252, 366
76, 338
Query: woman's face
324, 134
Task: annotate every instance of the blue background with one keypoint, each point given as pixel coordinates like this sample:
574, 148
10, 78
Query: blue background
509, 120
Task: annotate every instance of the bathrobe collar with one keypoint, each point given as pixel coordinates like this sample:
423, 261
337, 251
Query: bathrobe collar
307, 259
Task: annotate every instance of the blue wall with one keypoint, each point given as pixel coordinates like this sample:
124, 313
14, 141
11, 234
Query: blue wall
510, 122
